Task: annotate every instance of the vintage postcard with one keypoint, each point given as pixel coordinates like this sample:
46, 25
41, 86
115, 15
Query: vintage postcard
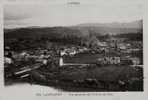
74, 48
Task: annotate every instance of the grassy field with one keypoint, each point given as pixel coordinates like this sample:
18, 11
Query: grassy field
94, 78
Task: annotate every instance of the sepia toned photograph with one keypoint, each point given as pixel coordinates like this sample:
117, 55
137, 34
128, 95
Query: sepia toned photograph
74, 47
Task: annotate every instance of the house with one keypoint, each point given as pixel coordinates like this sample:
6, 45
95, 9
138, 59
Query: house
62, 53
102, 44
135, 61
109, 60
73, 52
61, 62
8, 60
122, 46
23, 54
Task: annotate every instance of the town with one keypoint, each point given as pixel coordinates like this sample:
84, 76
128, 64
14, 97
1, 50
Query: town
111, 64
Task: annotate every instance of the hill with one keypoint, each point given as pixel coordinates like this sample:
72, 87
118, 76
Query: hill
78, 33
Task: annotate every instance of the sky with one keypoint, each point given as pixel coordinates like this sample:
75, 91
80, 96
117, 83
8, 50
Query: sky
56, 14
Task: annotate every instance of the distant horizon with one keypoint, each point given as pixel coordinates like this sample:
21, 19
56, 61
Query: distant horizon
37, 26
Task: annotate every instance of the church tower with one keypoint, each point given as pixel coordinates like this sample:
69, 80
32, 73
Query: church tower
61, 59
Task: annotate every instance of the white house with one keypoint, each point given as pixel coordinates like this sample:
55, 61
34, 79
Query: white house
7, 60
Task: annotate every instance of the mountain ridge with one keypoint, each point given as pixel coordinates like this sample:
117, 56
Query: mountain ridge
80, 30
